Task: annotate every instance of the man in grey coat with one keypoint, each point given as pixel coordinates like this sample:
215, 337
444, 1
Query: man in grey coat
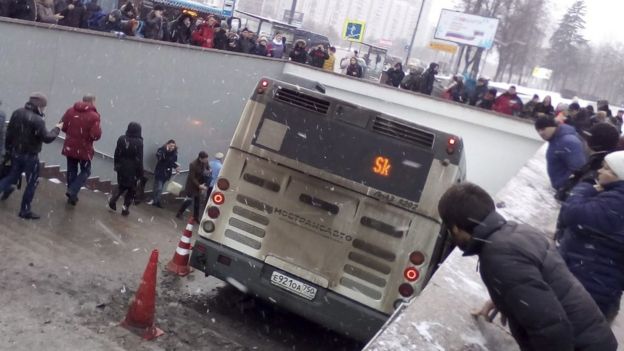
528, 281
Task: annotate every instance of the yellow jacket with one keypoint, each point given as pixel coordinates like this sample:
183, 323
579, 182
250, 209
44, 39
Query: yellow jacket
329, 63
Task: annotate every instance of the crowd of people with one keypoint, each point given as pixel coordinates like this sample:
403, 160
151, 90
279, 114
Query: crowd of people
26, 132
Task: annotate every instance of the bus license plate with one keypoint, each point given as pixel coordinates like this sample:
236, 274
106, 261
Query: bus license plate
293, 285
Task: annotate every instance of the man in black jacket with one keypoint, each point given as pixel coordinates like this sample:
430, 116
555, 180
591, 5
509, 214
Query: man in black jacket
428, 78
528, 282
25, 134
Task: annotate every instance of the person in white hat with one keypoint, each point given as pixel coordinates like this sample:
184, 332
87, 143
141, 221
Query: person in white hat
215, 167
592, 244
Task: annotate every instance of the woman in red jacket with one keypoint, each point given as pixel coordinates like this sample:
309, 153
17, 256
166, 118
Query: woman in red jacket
204, 33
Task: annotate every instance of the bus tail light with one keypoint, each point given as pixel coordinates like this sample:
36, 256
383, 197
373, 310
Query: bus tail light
417, 258
218, 198
213, 212
223, 184
411, 274
406, 290
451, 145
208, 226
263, 86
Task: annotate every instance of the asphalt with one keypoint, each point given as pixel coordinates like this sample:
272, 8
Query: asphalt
67, 280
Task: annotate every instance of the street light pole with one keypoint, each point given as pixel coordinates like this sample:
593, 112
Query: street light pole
293, 7
409, 51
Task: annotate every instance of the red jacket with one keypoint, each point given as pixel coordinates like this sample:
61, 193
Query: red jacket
204, 36
507, 104
81, 125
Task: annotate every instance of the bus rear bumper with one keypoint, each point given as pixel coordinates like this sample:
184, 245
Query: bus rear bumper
328, 308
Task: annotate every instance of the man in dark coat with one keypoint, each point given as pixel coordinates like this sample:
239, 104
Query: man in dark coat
155, 24
488, 99
21, 9
110, 22
81, 125
181, 29
195, 185
25, 135
318, 56
428, 78
593, 241
565, 152
479, 91
395, 75
246, 43
129, 167
74, 15
298, 53
167, 158
578, 118
528, 282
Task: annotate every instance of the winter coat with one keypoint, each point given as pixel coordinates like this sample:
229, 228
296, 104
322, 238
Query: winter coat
412, 81
318, 57
246, 46
277, 49
395, 77
77, 17
581, 121
587, 173
426, 81
215, 169
261, 50
548, 110
204, 36
155, 27
233, 43
485, 104
329, 64
220, 39
27, 131
81, 124
456, 91
593, 241
180, 33
129, 156
298, 54
354, 70
21, 9
565, 155
166, 163
527, 110
2, 133
105, 25
45, 14
507, 104
529, 283
195, 178
92, 8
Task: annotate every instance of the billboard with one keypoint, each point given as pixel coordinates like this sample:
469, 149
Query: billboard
542, 73
466, 29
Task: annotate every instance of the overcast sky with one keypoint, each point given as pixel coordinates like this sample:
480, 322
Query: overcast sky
603, 18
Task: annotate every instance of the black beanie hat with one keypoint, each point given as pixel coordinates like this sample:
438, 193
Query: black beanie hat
603, 137
545, 122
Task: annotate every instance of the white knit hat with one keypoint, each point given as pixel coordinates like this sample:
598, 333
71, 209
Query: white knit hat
615, 160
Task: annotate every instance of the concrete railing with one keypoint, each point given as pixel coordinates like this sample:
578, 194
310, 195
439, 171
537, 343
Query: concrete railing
196, 95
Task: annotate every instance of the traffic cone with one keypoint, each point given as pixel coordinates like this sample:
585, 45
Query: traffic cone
179, 264
140, 317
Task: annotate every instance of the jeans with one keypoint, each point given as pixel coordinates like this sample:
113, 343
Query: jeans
157, 191
23, 163
75, 181
128, 198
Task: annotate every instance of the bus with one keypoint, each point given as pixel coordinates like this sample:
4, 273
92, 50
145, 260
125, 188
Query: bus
328, 209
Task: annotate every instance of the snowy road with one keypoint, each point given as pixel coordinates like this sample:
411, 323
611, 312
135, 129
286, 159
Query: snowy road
66, 281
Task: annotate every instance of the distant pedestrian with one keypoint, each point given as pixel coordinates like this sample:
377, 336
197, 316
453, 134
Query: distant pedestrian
544, 108
129, 167
181, 29
166, 165
488, 99
354, 69
246, 42
428, 78
81, 125
204, 33
330, 62
455, 91
395, 75
20, 9
527, 280
479, 91
565, 153
109, 23
74, 15
578, 118
298, 53
220, 38
593, 241
155, 23
26, 133
262, 48
508, 103
529, 107
45, 12
215, 169
128, 11
276, 48
233, 42
318, 56
92, 8
412, 79
195, 186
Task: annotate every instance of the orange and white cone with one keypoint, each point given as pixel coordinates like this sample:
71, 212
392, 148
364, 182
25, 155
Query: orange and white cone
179, 264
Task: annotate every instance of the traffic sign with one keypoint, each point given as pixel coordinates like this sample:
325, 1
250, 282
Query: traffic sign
354, 30
443, 47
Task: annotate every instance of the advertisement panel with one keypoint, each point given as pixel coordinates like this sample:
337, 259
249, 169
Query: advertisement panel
466, 29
